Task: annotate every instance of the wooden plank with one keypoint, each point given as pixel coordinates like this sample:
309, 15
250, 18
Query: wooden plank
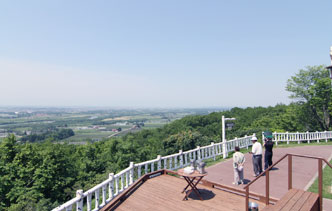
312, 203
293, 200
164, 193
284, 200
298, 205
296, 200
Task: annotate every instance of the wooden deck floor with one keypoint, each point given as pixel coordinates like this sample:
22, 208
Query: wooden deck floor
164, 193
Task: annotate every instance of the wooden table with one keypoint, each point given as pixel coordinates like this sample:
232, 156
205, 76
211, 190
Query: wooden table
190, 178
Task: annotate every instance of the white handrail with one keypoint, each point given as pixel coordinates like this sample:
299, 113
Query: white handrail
300, 136
122, 180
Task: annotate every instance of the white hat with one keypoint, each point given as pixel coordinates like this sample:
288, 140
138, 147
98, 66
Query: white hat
254, 138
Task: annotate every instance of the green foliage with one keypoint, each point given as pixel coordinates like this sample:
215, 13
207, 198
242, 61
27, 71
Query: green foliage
312, 89
54, 134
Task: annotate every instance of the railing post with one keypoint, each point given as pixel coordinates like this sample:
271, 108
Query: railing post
317, 136
308, 138
79, 204
159, 162
139, 171
275, 135
287, 137
247, 142
181, 158
88, 202
131, 173
213, 151
247, 198
320, 183
267, 187
325, 136
96, 199
104, 195
111, 186
290, 173
298, 137
198, 152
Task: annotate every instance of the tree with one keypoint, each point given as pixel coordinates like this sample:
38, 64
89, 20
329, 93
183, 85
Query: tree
311, 87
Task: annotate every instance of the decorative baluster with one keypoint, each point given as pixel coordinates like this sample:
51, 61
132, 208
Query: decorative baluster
122, 185
152, 167
111, 186
185, 159
97, 199
213, 151
308, 137
181, 158
131, 173
79, 204
198, 152
317, 136
116, 185
146, 168
139, 171
88, 202
165, 163
176, 162
195, 154
127, 180
325, 136
104, 195
170, 163
159, 162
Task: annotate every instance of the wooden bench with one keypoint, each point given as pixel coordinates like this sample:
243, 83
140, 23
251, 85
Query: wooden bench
296, 200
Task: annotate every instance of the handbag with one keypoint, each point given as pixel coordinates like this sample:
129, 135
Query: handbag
240, 168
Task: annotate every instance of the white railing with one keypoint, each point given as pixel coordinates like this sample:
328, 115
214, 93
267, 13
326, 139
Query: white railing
103, 193
301, 137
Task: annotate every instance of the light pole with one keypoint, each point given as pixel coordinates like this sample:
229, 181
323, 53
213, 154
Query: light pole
330, 67
224, 151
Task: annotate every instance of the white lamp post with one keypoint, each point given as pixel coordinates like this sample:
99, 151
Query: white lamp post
224, 149
330, 67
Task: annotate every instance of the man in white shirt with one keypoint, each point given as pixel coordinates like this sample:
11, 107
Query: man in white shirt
256, 156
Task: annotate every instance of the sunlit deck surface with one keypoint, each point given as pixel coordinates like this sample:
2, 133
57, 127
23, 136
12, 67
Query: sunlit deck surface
164, 193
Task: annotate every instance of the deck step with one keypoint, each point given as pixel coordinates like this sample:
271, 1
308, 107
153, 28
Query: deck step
296, 200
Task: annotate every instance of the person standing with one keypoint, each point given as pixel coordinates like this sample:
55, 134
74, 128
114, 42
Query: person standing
238, 162
256, 156
268, 144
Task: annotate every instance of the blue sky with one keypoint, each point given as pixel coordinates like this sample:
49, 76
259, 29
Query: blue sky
158, 53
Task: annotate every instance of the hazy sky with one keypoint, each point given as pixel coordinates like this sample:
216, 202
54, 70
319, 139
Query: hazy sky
158, 53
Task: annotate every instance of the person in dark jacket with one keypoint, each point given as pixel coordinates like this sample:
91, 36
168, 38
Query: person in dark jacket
268, 144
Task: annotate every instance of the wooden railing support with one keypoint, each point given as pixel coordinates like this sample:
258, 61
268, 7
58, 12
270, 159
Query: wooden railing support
290, 174
247, 198
320, 183
267, 187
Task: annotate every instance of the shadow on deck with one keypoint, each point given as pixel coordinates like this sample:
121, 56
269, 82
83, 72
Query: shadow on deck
161, 191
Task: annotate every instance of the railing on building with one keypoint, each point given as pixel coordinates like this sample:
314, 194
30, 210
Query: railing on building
103, 193
301, 137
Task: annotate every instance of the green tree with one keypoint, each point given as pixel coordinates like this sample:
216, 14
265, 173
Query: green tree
311, 87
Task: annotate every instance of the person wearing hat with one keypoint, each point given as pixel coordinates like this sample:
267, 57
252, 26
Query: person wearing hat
268, 144
256, 152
